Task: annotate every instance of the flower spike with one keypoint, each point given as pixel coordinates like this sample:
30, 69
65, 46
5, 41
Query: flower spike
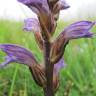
47, 12
21, 55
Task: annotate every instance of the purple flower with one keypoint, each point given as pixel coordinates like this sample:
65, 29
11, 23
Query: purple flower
59, 65
21, 55
32, 24
78, 30
74, 31
36, 5
17, 54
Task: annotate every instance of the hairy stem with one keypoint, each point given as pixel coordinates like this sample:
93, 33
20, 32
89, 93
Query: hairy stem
48, 91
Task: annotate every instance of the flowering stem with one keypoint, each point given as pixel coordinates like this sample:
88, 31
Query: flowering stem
48, 91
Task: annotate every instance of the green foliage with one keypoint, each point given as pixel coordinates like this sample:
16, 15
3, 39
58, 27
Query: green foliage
78, 78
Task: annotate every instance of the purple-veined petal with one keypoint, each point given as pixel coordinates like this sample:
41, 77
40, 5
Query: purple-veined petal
59, 65
36, 5
23, 56
17, 54
32, 24
7, 61
31, 3
78, 30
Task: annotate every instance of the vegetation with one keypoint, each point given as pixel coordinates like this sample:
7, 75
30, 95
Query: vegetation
78, 78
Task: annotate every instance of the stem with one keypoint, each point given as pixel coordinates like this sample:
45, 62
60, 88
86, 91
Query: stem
48, 91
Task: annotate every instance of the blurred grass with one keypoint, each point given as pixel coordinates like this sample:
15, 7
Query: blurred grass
79, 75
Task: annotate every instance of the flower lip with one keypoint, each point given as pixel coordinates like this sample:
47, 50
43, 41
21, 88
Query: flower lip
59, 65
32, 24
63, 5
79, 30
66, 7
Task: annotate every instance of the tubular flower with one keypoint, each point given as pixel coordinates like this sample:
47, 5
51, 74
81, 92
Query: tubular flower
21, 55
74, 31
32, 24
79, 30
17, 54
